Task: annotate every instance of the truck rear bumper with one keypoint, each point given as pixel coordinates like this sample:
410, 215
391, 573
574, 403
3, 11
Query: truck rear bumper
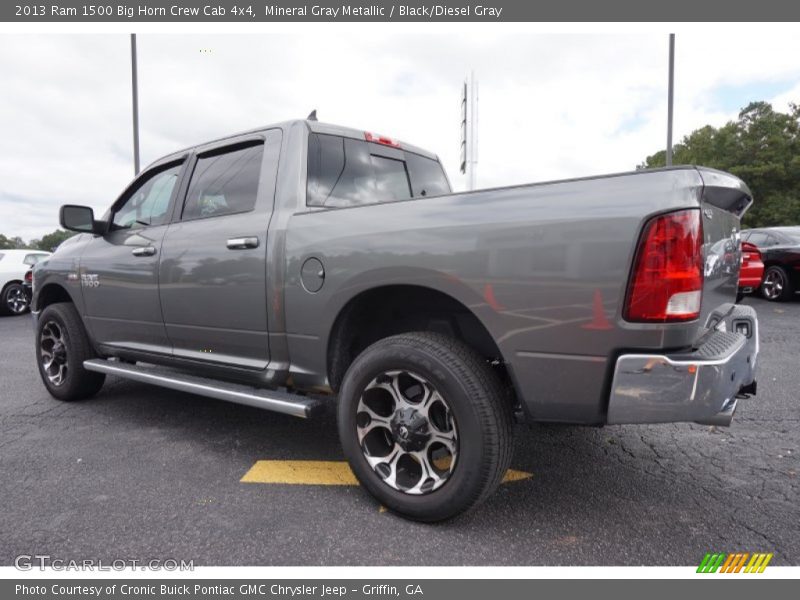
700, 386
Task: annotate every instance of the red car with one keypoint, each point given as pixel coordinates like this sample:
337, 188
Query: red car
752, 269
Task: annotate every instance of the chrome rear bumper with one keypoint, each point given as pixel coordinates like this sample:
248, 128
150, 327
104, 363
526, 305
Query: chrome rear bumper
700, 386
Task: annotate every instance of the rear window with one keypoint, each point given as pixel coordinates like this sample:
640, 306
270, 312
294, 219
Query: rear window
32, 259
758, 238
427, 176
348, 172
793, 236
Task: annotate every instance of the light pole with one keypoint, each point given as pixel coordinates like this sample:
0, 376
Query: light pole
469, 130
135, 90
670, 93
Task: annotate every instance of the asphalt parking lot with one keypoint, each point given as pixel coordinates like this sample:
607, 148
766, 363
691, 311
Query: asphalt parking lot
140, 473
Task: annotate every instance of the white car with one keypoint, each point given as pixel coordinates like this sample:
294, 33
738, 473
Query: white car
13, 266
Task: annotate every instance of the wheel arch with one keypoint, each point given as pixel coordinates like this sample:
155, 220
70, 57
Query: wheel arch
10, 282
51, 293
390, 309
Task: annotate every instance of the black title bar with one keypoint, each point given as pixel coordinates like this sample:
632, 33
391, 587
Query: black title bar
246, 11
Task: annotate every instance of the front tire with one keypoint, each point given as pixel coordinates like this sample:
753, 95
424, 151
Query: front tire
776, 286
425, 425
14, 300
62, 345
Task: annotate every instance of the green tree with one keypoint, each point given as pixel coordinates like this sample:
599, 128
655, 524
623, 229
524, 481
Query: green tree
7, 243
51, 240
762, 147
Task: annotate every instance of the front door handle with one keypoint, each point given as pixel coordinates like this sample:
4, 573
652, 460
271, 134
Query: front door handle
144, 251
241, 243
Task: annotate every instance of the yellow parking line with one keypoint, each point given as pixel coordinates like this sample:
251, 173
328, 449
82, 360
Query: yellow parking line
514, 475
301, 472
321, 472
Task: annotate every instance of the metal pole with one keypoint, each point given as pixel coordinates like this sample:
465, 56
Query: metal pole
472, 128
670, 95
135, 90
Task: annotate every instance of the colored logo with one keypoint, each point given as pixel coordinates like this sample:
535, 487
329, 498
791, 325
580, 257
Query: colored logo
738, 562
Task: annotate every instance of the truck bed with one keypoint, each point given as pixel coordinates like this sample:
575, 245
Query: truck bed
544, 267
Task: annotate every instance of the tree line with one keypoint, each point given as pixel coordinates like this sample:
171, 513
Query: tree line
47, 242
761, 147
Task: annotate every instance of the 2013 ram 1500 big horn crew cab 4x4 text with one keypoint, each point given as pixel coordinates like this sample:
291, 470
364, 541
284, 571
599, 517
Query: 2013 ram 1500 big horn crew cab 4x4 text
304, 264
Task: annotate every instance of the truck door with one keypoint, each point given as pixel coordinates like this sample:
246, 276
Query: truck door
119, 270
213, 262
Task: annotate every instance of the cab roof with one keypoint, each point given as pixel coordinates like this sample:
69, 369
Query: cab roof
313, 126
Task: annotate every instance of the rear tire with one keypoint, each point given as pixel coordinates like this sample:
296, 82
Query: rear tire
776, 285
62, 345
439, 380
14, 300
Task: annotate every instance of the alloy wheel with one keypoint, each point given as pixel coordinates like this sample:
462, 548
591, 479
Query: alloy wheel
407, 432
16, 300
773, 284
53, 352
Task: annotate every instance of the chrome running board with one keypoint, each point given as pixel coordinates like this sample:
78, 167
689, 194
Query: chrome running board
274, 400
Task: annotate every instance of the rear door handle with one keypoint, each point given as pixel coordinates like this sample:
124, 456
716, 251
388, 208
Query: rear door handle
241, 243
144, 251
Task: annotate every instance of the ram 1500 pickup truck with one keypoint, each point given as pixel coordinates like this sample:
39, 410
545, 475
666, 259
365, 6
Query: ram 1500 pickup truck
306, 265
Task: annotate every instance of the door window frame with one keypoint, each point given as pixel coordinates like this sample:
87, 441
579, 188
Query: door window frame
152, 171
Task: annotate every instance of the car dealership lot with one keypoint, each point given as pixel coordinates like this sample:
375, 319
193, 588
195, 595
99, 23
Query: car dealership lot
140, 472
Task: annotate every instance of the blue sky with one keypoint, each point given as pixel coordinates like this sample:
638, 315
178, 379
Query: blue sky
734, 97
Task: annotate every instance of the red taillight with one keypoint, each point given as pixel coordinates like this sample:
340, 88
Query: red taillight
29, 276
750, 252
381, 139
667, 280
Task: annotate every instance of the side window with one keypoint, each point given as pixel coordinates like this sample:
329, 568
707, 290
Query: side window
758, 238
427, 176
148, 204
224, 183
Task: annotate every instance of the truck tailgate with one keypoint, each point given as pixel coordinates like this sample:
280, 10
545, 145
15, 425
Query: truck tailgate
701, 384
724, 200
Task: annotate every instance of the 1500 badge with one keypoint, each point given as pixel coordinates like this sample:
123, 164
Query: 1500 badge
90, 280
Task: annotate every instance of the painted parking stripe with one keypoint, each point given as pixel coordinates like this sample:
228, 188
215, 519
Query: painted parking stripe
300, 472
321, 472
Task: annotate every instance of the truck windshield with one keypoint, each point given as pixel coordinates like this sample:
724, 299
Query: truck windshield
347, 172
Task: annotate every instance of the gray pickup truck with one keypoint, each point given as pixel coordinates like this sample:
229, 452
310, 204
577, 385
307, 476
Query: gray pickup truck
306, 265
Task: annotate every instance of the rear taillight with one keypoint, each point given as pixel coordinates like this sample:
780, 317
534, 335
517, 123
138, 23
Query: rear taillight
749, 252
29, 277
667, 280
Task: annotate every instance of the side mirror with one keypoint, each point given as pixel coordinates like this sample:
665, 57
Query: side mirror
78, 218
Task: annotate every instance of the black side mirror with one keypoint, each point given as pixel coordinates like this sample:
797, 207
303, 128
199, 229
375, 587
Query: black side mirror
78, 218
